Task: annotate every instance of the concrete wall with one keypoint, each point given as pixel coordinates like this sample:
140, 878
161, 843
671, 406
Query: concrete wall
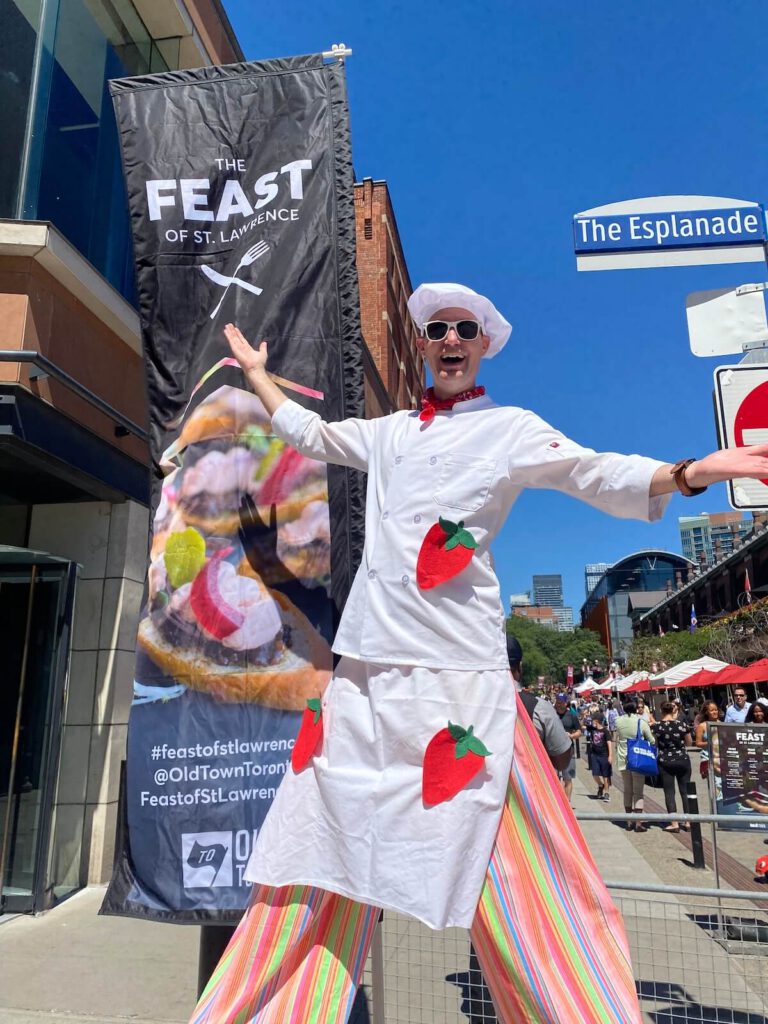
110, 544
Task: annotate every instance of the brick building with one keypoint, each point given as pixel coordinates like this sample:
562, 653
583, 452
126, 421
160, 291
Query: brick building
540, 614
384, 289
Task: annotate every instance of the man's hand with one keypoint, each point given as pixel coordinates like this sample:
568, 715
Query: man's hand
253, 363
750, 461
728, 464
252, 360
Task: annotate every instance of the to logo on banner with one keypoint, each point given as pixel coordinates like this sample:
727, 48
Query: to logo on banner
206, 860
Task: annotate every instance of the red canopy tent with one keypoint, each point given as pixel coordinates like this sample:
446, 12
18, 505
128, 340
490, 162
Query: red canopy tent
757, 672
641, 686
702, 678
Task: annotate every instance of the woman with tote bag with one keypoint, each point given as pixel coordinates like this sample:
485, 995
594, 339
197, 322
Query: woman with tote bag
629, 727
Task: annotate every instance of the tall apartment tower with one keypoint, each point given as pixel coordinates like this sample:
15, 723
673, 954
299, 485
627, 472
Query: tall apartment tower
708, 537
548, 591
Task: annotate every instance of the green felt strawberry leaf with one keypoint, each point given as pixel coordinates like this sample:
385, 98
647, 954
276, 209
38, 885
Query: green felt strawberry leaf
477, 746
468, 742
448, 527
314, 705
463, 538
456, 731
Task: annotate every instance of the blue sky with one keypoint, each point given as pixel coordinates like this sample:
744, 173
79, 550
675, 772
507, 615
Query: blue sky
493, 123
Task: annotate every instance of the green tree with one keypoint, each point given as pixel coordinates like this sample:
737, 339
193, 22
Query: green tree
547, 652
668, 650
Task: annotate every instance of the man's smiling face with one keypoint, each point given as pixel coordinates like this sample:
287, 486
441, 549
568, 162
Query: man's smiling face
454, 363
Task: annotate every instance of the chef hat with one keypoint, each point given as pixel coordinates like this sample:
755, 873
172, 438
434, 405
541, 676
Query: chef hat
429, 298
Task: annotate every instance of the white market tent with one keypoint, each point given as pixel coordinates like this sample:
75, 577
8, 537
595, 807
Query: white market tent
630, 680
679, 673
586, 687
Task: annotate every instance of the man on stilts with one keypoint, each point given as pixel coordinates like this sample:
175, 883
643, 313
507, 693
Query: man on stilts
419, 788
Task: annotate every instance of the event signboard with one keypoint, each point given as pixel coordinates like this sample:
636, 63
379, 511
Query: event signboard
739, 756
240, 185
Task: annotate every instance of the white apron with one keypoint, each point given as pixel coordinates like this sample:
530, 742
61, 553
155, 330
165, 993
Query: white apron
353, 821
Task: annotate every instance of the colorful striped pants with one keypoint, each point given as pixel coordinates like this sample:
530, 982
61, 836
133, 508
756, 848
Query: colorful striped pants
549, 940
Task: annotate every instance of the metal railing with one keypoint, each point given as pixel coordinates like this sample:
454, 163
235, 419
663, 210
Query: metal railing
45, 368
699, 953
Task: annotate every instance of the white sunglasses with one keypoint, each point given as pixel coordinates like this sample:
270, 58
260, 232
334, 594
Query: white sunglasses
467, 330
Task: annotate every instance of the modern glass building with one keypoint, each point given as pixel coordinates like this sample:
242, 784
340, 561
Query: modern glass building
548, 590
74, 463
592, 573
607, 608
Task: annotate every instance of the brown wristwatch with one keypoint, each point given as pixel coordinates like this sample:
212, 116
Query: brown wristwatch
678, 473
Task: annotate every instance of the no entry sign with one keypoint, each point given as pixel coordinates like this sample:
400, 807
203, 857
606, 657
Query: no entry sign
741, 400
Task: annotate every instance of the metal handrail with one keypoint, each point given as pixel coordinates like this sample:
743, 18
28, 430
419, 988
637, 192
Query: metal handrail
15, 355
643, 816
689, 890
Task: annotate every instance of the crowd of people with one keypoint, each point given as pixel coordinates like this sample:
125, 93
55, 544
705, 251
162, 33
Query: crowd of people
674, 727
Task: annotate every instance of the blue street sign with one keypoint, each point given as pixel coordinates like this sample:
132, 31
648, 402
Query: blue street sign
669, 231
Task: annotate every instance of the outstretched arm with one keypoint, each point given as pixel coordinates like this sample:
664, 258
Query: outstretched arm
345, 443
728, 464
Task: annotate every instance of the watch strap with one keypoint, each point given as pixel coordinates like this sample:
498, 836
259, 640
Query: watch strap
678, 474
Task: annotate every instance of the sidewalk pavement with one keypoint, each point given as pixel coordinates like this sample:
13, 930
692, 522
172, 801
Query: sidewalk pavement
71, 965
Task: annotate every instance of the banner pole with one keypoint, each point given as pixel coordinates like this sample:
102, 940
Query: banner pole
214, 939
337, 51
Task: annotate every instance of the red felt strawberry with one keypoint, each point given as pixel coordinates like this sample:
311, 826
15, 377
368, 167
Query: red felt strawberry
445, 551
452, 759
310, 735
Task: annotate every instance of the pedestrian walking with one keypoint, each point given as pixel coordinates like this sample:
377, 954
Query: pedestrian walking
644, 711
736, 712
709, 713
569, 720
633, 782
428, 794
758, 712
600, 755
672, 736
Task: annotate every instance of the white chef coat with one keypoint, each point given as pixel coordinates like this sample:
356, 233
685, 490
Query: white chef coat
353, 821
470, 465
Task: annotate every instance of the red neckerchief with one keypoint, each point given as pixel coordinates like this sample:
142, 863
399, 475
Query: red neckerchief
430, 404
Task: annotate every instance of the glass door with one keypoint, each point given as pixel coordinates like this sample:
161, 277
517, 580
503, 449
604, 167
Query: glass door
36, 606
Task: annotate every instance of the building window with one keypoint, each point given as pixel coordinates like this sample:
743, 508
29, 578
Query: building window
18, 38
368, 228
75, 179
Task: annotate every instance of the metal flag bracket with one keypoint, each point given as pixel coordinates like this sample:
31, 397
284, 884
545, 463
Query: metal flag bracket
338, 51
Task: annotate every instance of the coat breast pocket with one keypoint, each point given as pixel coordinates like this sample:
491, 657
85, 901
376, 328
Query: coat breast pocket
465, 482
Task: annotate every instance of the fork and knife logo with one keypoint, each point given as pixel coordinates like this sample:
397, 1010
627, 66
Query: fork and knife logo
250, 256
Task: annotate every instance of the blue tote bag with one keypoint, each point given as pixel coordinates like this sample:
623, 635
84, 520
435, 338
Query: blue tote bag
641, 755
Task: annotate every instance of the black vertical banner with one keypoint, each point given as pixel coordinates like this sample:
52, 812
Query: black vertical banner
240, 189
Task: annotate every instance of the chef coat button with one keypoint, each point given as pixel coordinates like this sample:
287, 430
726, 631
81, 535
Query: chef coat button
398, 459
417, 518
432, 460
371, 574
385, 515
405, 580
